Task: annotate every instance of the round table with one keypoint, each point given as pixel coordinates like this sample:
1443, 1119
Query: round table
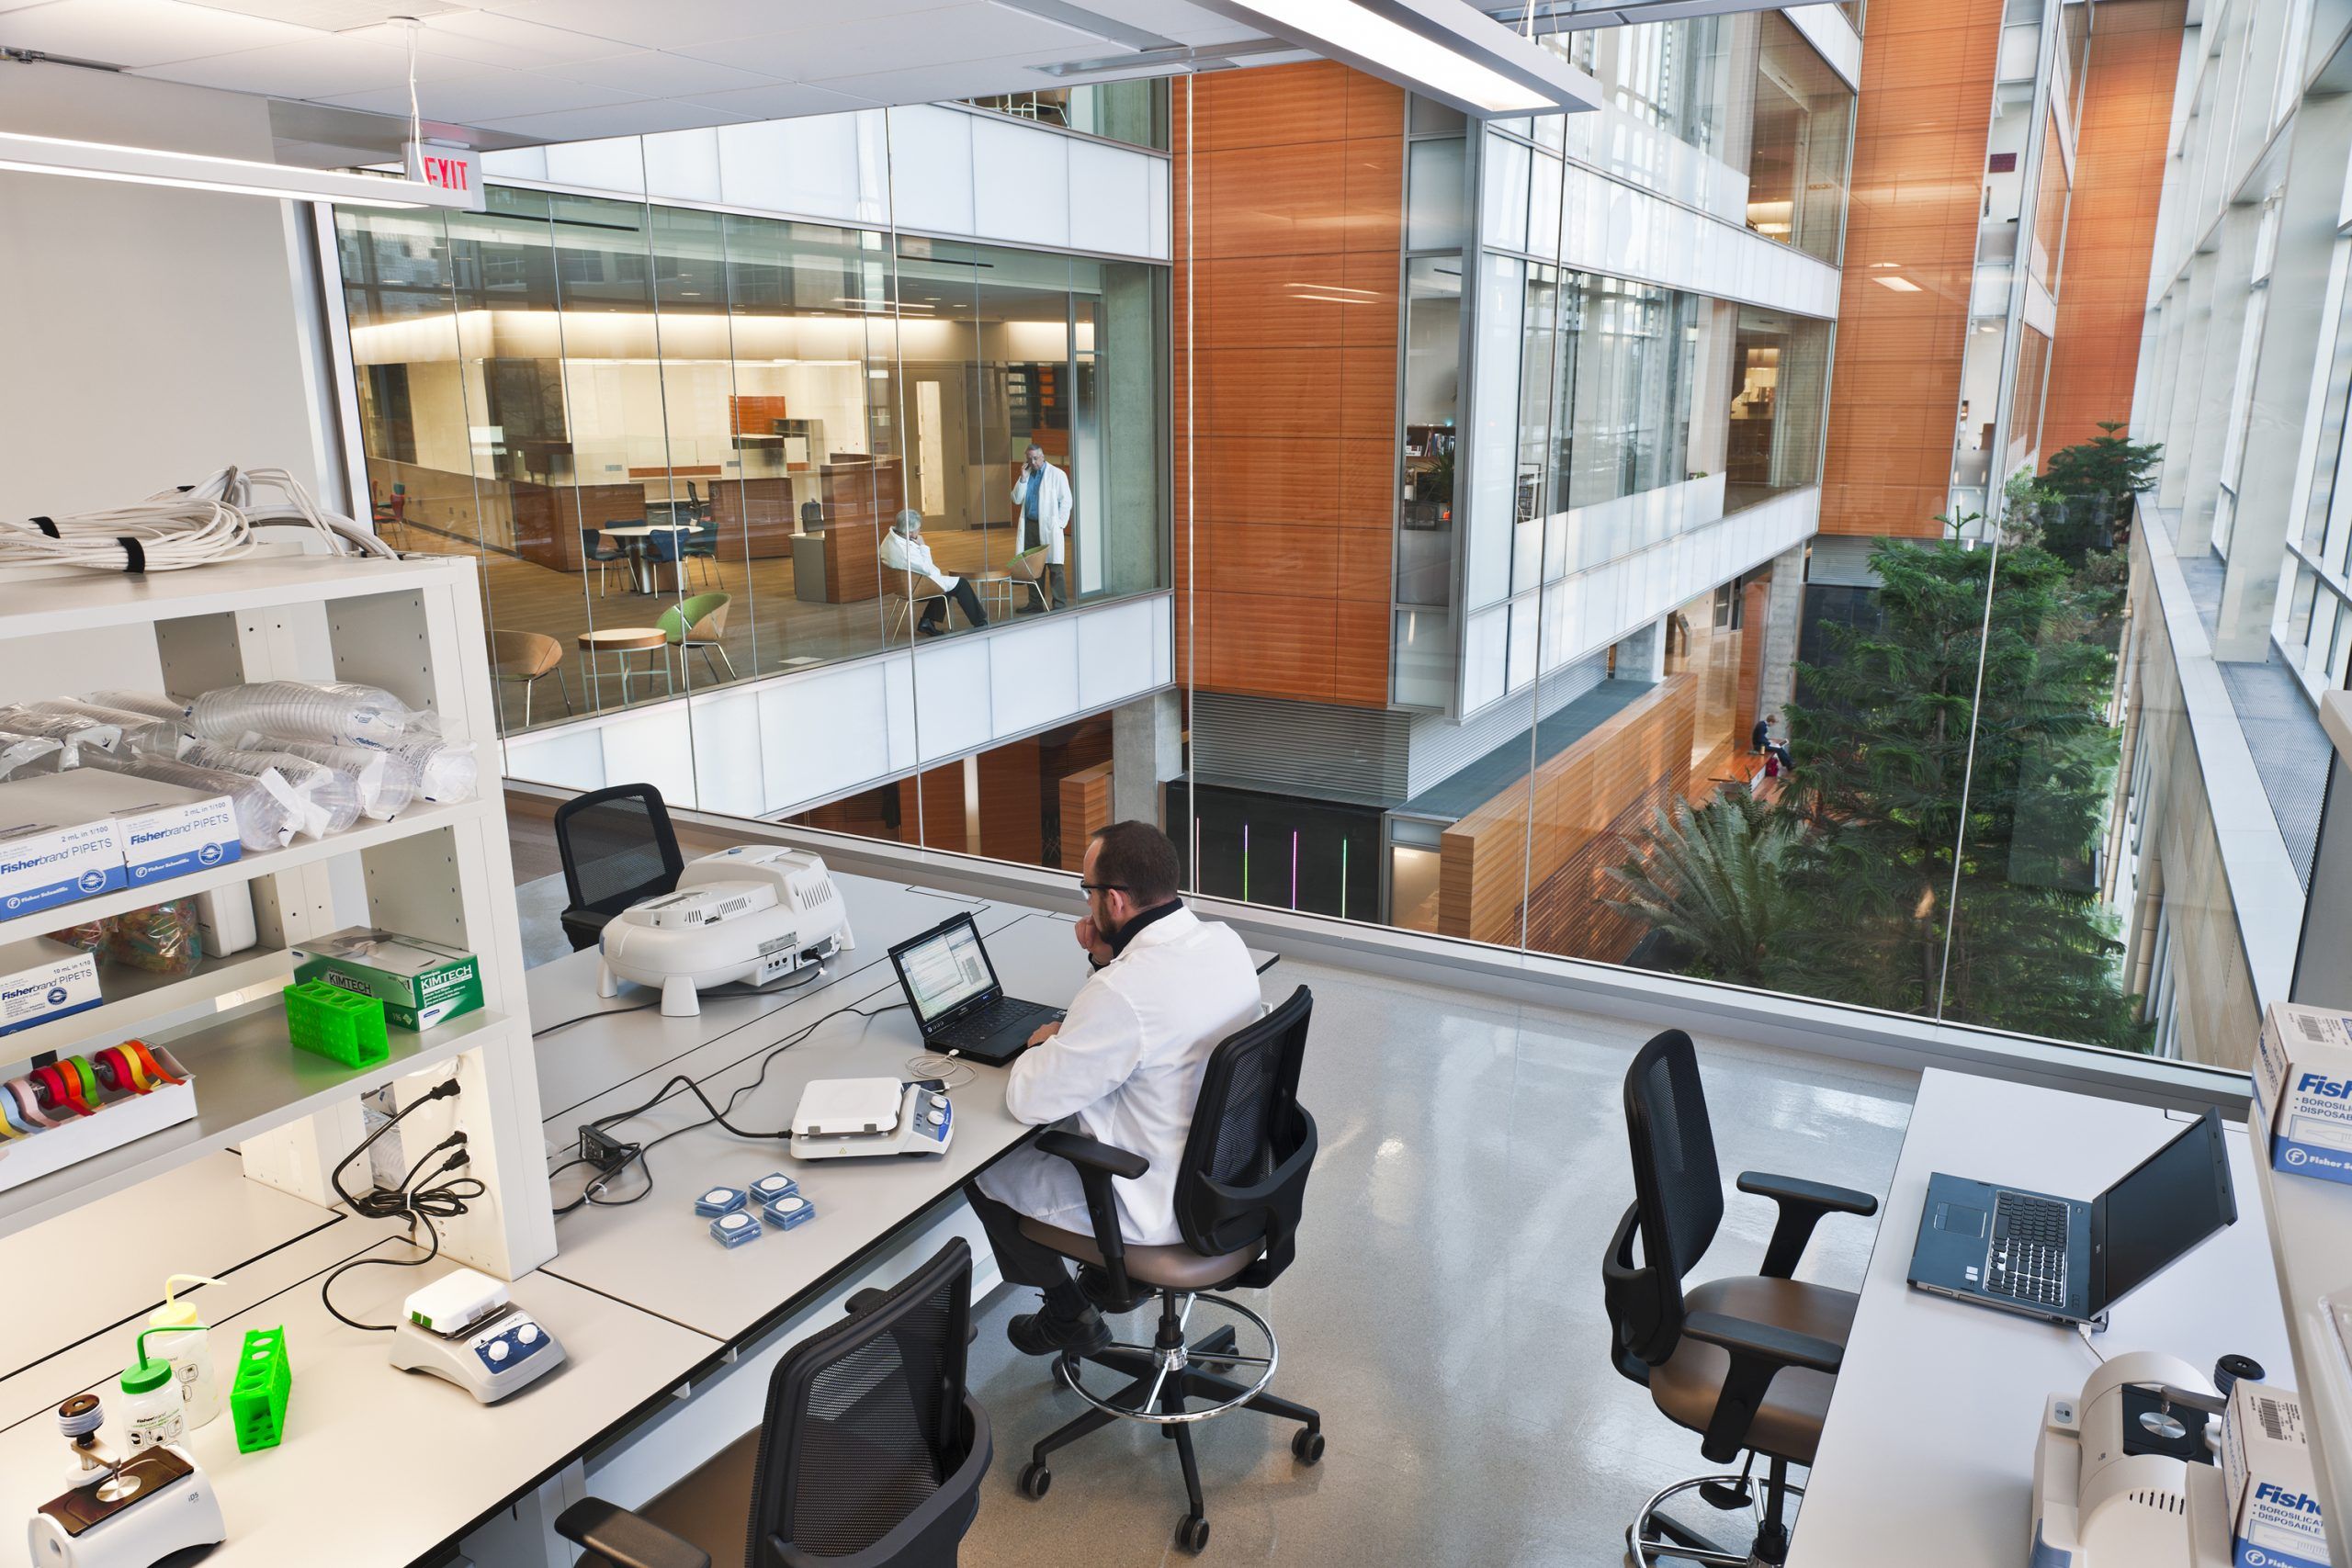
640, 565
620, 642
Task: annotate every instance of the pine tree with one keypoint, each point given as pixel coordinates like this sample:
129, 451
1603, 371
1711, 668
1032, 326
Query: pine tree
1883, 756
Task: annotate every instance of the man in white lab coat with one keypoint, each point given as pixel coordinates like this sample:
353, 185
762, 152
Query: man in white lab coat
1124, 1067
904, 551
1042, 504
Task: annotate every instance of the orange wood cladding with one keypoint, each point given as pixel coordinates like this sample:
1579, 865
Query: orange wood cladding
1086, 806
1927, 68
1630, 765
2119, 179
1297, 176
755, 413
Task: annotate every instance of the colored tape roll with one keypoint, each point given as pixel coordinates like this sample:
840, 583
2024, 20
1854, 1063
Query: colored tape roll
155, 1071
12, 1123
22, 1093
85, 1079
119, 1072
56, 1094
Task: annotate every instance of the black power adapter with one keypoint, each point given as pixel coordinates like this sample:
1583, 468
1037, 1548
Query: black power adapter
606, 1153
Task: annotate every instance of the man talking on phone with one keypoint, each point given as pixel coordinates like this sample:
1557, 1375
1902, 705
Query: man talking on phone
1124, 1066
1040, 499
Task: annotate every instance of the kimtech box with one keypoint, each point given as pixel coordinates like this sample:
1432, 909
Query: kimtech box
420, 982
2266, 1476
2302, 1090
41, 980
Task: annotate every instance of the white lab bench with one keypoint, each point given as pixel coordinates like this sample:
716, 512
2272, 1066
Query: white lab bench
1926, 1457
669, 1337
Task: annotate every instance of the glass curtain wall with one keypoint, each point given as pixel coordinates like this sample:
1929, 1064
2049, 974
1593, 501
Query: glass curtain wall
675, 438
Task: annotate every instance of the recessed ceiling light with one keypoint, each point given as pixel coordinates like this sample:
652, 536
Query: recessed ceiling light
1900, 285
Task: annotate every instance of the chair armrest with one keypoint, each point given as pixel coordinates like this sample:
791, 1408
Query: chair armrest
1758, 1352
625, 1540
1097, 1163
1802, 1205
1092, 1154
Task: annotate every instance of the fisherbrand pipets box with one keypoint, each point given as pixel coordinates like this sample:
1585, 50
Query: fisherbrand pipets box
2302, 1090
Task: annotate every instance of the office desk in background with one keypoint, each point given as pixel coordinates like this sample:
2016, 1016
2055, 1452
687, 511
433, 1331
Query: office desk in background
1926, 1458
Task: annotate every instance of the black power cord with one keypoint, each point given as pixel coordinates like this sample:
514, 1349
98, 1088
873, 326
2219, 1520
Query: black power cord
417, 1205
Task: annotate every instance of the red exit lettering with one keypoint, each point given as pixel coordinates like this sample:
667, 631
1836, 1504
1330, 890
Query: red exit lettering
447, 172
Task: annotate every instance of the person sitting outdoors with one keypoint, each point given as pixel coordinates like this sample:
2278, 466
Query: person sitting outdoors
903, 550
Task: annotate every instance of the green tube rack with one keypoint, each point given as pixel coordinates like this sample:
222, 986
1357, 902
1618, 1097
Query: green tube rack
257, 1397
330, 1022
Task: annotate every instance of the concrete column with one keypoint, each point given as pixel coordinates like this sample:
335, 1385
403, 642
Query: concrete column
1783, 618
1641, 656
1147, 751
2293, 322
2189, 368
2209, 397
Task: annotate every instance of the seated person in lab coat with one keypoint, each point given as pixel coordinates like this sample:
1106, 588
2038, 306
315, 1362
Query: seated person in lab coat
1123, 1067
904, 551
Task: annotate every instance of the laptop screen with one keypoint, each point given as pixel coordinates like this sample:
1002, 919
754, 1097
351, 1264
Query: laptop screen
944, 970
2174, 1198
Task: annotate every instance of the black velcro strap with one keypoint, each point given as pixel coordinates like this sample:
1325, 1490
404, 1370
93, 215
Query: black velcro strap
135, 551
47, 525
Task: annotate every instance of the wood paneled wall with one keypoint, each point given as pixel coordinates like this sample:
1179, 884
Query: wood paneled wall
1927, 99
1298, 180
2118, 180
1086, 806
1591, 801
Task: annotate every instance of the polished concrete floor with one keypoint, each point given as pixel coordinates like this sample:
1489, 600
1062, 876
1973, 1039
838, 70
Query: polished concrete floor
1444, 1311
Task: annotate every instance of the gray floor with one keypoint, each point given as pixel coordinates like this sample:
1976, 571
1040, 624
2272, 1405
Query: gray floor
1444, 1310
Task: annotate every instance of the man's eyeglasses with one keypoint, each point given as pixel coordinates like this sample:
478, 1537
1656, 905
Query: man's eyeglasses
1102, 887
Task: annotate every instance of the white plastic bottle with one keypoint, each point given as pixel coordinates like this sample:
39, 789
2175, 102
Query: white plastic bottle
189, 1354
153, 1414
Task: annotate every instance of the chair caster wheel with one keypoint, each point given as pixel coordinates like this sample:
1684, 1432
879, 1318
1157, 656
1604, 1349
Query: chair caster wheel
1192, 1534
1306, 1446
1036, 1481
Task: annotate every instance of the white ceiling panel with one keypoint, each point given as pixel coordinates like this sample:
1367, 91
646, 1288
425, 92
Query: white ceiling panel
132, 33
477, 99
942, 84
322, 66
525, 43
785, 100
651, 73
640, 118
860, 42
683, 24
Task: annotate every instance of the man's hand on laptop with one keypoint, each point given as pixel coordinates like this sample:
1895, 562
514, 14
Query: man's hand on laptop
1096, 948
1045, 1032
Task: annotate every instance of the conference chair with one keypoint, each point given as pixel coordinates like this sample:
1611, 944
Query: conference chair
1748, 1362
1238, 1191
699, 623
701, 546
526, 659
906, 590
595, 551
1027, 570
870, 1453
665, 547
619, 849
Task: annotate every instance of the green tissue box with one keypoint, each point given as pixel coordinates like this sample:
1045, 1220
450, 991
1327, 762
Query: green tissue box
330, 1022
257, 1397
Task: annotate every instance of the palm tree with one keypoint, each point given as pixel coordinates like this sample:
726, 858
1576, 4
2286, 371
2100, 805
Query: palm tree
1709, 880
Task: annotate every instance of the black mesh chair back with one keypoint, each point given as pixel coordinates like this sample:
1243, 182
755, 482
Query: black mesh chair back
1252, 1145
871, 1448
619, 849
1678, 1202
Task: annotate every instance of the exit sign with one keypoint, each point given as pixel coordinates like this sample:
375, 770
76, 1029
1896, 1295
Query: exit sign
456, 170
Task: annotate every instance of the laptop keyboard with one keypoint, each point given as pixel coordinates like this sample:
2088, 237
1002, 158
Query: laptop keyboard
2028, 1258
985, 1024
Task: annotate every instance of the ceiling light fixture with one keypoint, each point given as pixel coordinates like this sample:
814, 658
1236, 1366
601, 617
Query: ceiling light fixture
195, 171
1446, 49
1900, 285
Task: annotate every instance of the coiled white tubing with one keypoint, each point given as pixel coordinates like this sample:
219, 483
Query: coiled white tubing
178, 529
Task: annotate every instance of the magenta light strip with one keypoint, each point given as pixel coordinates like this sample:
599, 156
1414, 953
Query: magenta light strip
1294, 868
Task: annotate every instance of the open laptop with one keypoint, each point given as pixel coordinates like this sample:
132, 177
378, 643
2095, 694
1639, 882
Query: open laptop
953, 988
2062, 1259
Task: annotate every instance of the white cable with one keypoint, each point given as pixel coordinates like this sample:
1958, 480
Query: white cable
175, 529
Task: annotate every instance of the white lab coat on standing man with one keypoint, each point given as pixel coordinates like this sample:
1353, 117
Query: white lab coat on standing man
1126, 1067
1054, 505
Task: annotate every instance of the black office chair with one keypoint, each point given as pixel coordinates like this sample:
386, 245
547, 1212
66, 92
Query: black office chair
1238, 1191
871, 1451
619, 849
1748, 1362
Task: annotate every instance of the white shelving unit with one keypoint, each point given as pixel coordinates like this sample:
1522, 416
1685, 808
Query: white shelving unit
439, 872
2310, 1243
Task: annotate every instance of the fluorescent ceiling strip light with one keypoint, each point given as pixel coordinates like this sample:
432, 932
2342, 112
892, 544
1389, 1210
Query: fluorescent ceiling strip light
193, 171
1445, 50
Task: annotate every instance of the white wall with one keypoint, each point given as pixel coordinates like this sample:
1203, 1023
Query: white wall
151, 334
